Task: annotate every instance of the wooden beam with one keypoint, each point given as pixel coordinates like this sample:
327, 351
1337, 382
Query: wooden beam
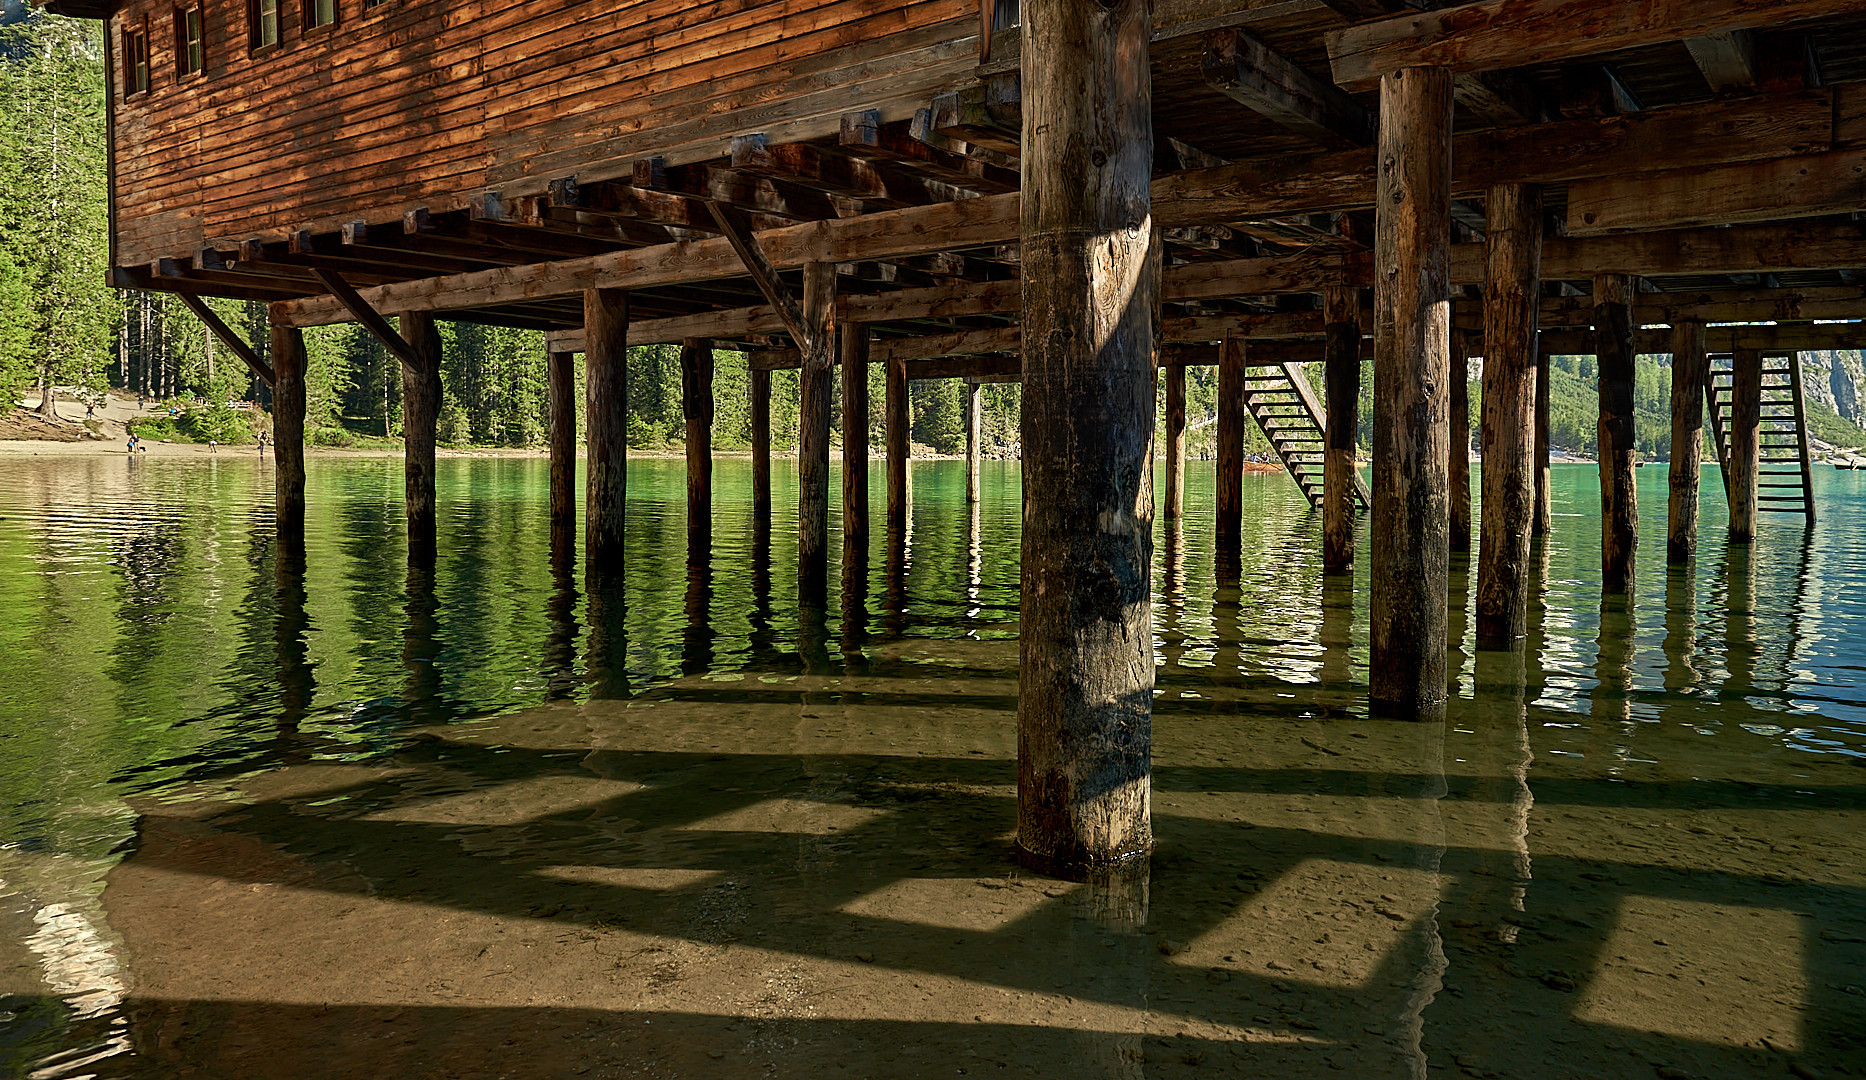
1727, 59
1254, 75
988, 113
230, 339
1491, 35
1810, 185
378, 327
763, 274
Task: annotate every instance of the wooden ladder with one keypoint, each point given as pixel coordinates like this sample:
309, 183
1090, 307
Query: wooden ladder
1285, 407
1784, 482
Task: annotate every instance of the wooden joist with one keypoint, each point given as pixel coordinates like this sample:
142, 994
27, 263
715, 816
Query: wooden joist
1810, 185
1254, 75
230, 339
1492, 35
1727, 59
359, 309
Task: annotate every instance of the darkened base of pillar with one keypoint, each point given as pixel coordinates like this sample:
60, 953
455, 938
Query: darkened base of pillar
1134, 865
1424, 712
1677, 554
1494, 639
421, 541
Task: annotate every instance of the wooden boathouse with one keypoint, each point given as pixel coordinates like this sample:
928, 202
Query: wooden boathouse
1086, 196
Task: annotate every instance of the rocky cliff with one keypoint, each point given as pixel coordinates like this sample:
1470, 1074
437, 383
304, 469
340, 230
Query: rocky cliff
1836, 380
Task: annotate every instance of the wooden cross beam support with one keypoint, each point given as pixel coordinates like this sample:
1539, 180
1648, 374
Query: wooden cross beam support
228, 338
763, 274
1261, 79
372, 320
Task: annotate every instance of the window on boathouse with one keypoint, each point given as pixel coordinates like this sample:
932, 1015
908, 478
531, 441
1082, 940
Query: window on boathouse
265, 23
190, 41
136, 59
320, 13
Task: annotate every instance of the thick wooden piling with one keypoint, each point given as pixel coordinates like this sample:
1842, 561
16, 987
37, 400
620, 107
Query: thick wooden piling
1228, 531
288, 432
855, 339
1085, 692
1458, 461
894, 403
605, 365
1175, 500
1745, 442
971, 442
1619, 504
1341, 373
696, 407
421, 412
1690, 373
819, 353
1412, 344
561, 376
761, 444
1507, 425
1539, 521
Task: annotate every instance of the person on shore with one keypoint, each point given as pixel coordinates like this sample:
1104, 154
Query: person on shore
131, 448
262, 444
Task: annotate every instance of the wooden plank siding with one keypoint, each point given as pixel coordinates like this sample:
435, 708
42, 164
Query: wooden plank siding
410, 104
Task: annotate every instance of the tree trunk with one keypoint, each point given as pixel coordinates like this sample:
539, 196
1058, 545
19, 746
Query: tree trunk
421, 410
605, 388
1412, 368
1619, 505
696, 406
1745, 443
1228, 531
1085, 692
1341, 373
1690, 373
1507, 427
561, 373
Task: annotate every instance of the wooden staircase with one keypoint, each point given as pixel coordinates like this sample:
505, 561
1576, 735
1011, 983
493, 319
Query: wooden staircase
1785, 480
1285, 407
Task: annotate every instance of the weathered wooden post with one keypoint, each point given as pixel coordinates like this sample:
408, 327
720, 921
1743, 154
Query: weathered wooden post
1175, 500
1412, 366
1690, 373
1227, 541
971, 441
1458, 463
421, 411
1539, 522
560, 372
605, 368
696, 407
1745, 441
894, 403
1507, 426
288, 430
761, 444
1613, 362
1341, 374
819, 353
855, 339
1085, 695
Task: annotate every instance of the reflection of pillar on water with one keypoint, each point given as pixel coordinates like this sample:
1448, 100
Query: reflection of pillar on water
971, 441
290, 635
421, 639
974, 559
1535, 625
605, 662
1108, 956
1681, 610
1457, 617
1613, 662
1169, 624
560, 644
1739, 627
1502, 757
854, 600
1227, 631
896, 557
1412, 975
696, 640
759, 640
1335, 633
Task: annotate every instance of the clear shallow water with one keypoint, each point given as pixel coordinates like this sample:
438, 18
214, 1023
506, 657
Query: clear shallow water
266, 820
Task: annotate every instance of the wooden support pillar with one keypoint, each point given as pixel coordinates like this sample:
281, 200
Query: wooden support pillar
1507, 426
605, 369
971, 442
819, 353
1341, 372
1228, 532
761, 445
1085, 692
288, 432
1619, 505
1458, 461
1745, 442
421, 411
696, 406
855, 339
895, 405
1690, 374
561, 375
1175, 441
1412, 366
1539, 521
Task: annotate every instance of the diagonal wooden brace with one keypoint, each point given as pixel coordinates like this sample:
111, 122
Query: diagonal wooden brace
228, 338
360, 310
739, 234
